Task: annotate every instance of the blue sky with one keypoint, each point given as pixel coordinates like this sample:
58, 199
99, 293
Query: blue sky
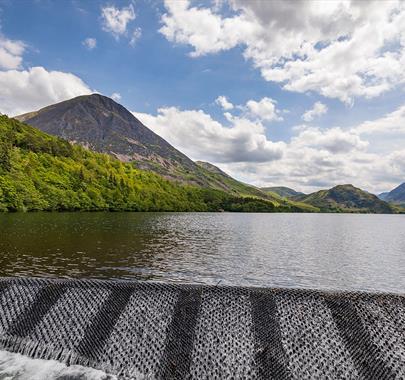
261, 56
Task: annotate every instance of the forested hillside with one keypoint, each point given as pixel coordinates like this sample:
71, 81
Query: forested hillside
102, 125
43, 172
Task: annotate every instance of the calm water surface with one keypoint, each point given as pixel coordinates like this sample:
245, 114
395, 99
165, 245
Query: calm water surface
328, 251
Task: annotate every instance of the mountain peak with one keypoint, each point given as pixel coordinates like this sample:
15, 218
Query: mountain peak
101, 124
95, 98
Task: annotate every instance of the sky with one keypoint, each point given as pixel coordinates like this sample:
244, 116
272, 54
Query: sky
305, 94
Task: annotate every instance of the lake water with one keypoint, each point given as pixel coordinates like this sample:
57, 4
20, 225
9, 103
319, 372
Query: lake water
325, 251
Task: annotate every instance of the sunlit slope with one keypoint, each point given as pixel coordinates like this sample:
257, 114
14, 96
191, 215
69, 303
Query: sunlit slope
282, 191
43, 172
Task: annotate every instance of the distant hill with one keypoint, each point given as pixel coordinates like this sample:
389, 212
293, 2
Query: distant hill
43, 172
395, 196
346, 198
282, 191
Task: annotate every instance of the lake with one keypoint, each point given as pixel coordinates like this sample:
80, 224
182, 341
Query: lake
324, 251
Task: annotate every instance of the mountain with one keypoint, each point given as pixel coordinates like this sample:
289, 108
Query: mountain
43, 172
346, 198
395, 196
282, 191
100, 124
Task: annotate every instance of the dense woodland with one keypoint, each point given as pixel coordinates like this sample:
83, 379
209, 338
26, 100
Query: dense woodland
42, 172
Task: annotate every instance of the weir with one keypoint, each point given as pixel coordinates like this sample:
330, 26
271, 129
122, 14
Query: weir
139, 330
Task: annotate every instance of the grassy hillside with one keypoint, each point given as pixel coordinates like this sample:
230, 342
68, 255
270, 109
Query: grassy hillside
346, 198
221, 181
43, 172
282, 191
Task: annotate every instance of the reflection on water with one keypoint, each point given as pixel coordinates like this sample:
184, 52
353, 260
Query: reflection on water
332, 251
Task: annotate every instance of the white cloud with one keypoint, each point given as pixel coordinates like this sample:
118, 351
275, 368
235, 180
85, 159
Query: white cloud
385, 134
199, 27
392, 123
116, 20
116, 96
264, 109
317, 109
313, 158
320, 158
334, 140
11, 52
29, 90
339, 48
136, 35
224, 103
90, 43
201, 137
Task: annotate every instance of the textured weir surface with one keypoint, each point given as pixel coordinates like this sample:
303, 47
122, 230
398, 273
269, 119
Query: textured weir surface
138, 330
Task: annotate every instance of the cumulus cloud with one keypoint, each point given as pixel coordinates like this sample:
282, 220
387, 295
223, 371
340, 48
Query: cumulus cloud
90, 43
317, 158
311, 159
116, 20
11, 52
334, 140
29, 90
201, 137
264, 109
317, 110
392, 123
310, 168
224, 103
338, 48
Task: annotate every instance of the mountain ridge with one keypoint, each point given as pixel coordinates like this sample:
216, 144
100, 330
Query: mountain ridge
103, 125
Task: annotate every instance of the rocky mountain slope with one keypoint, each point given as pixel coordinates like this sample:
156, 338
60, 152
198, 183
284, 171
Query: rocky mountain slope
100, 124
346, 198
